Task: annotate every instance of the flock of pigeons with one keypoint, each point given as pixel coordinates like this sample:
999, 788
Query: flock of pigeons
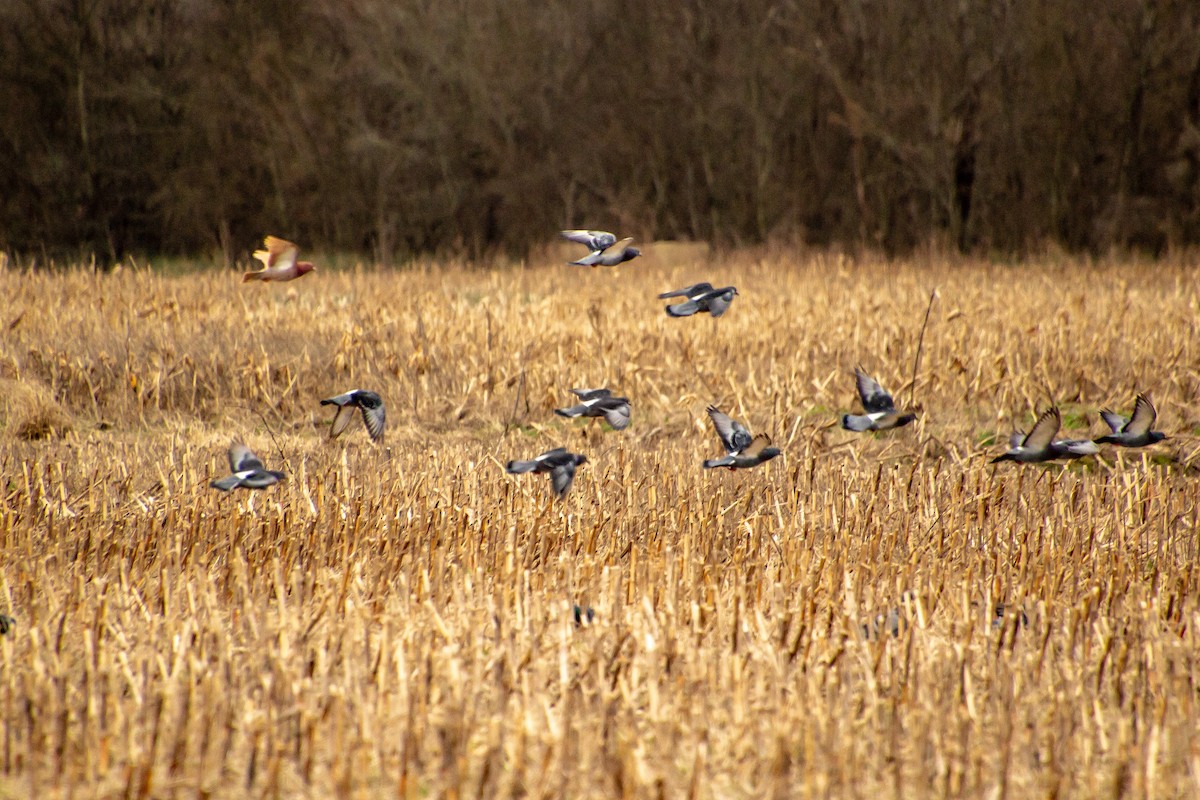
742, 449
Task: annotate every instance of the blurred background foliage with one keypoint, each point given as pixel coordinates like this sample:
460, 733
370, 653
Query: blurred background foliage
400, 127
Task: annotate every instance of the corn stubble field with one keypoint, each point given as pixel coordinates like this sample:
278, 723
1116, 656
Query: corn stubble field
398, 620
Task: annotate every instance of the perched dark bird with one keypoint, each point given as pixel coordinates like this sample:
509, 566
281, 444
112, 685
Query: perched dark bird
7, 623
880, 407
1135, 431
700, 297
558, 462
1038, 444
599, 403
369, 403
603, 248
742, 450
247, 470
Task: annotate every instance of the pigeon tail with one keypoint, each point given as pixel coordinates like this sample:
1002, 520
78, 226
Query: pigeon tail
1005, 457
856, 422
253, 275
520, 467
573, 411
723, 461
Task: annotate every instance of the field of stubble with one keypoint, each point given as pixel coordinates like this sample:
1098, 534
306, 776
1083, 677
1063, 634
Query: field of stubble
398, 620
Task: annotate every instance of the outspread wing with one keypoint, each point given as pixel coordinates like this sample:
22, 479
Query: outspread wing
718, 304
733, 434
375, 418
756, 446
694, 290
279, 253
561, 477
1143, 417
1043, 432
341, 420
593, 240
617, 415
591, 394
1113, 420
241, 458
872, 395
616, 248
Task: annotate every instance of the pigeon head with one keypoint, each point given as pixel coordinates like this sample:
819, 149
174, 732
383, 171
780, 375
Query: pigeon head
904, 419
580, 460
304, 267
1157, 436
631, 253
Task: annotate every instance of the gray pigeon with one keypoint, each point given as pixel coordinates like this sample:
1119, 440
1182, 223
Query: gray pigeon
1135, 431
247, 470
603, 248
742, 450
700, 297
599, 403
1038, 444
880, 407
558, 462
369, 403
1066, 449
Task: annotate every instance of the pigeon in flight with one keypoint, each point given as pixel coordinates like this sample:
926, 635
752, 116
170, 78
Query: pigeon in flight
279, 262
1066, 449
369, 403
700, 297
558, 462
1135, 431
1038, 444
880, 407
599, 403
603, 248
247, 471
742, 450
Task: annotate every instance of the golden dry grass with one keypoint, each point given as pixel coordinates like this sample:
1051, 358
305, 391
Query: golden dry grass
398, 621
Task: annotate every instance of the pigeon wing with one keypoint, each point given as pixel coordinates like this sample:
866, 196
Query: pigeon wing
561, 477
617, 415
1143, 417
756, 446
591, 394
719, 304
1015, 439
375, 418
874, 398
241, 458
695, 289
1113, 420
1043, 432
593, 240
341, 420
617, 248
733, 434
280, 253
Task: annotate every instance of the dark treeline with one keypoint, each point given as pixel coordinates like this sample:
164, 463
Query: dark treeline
398, 127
